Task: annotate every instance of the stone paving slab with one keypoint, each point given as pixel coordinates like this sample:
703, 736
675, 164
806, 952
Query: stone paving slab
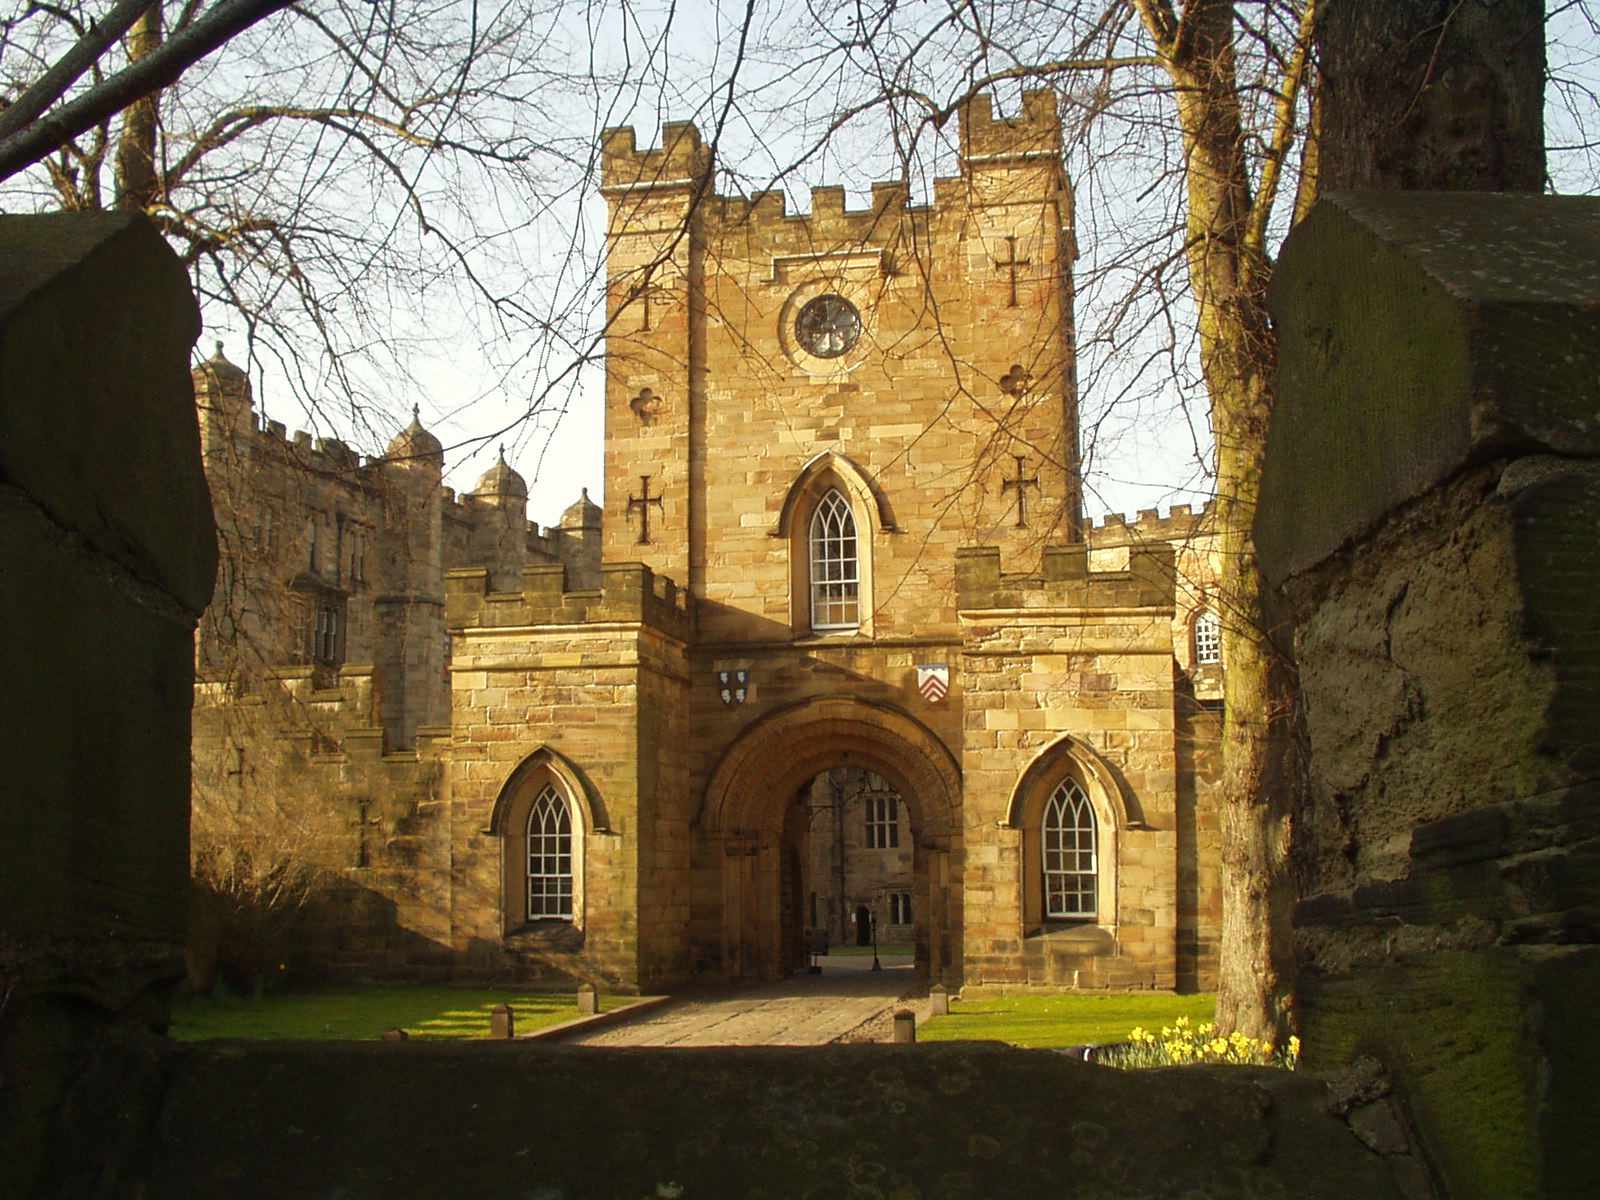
803, 1010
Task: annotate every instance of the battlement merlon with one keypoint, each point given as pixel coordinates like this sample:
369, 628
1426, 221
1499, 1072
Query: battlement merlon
1065, 581
629, 593
1183, 524
683, 160
1035, 133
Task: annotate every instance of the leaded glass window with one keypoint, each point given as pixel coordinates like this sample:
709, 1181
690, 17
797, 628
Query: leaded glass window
549, 857
835, 565
1207, 639
1070, 870
883, 819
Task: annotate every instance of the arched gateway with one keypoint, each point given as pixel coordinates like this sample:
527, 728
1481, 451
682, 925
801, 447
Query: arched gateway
745, 922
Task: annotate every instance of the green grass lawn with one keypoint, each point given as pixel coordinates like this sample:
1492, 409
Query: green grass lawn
363, 1013
1056, 1021
858, 951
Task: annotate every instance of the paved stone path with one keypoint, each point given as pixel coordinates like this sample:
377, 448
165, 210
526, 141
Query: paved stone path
848, 1001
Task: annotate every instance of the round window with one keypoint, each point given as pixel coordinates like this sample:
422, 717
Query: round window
828, 326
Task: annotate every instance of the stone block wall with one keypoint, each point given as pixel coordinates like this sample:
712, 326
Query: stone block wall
595, 677
1071, 673
304, 775
107, 554
1429, 516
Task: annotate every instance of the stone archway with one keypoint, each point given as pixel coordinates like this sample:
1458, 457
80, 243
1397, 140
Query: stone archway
740, 911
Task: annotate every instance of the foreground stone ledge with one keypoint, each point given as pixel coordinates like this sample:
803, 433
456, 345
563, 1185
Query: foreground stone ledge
492, 1119
1420, 333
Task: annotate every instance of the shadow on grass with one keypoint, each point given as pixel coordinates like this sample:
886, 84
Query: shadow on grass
363, 1013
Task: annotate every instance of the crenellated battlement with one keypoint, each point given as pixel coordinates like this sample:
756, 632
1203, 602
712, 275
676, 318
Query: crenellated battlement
325, 455
1181, 523
1065, 580
1035, 132
765, 219
681, 159
629, 592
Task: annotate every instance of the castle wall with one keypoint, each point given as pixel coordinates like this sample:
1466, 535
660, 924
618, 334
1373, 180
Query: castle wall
298, 776
595, 676
1078, 663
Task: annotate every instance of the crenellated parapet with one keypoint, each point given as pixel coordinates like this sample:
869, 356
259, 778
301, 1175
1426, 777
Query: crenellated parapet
1182, 523
986, 140
682, 159
629, 593
765, 220
1066, 580
1034, 133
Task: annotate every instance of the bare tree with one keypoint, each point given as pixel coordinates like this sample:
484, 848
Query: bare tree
346, 182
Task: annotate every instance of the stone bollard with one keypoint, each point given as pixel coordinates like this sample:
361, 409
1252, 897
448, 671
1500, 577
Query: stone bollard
905, 1027
395, 1035
502, 1022
588, 1000
938, 1001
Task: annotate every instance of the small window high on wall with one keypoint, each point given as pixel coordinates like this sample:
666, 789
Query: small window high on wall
1207, 639
835, 565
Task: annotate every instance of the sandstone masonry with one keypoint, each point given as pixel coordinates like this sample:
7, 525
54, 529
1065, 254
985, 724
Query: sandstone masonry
842, 542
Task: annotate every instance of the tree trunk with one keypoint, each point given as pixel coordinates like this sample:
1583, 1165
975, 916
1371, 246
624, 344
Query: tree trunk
138, 184
1441, 95
1228, 274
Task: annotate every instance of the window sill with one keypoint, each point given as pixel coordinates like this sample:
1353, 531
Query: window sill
1086, 934
831, 636
549, 933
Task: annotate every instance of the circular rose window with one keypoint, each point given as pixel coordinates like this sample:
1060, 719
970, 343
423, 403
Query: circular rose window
828, 326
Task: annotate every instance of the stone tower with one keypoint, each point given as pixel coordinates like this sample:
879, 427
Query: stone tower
916, 359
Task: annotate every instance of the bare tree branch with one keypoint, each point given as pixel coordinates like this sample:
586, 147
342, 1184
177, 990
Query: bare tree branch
226, 19
72, 65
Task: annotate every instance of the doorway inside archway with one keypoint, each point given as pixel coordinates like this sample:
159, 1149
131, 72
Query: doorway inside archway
789, 794
858, 860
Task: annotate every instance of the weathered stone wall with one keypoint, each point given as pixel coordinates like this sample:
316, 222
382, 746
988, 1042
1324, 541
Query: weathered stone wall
1429, 514
107, 554
1070, 675
956, 1121
303, 776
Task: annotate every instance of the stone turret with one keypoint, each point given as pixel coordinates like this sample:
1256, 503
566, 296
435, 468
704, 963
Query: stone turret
226, 408
580, 528
414, 447
498, 512
412, 659
501, 485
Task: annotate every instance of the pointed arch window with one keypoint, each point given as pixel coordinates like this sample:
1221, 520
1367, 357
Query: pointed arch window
835, 565
1068, 838
549, 857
